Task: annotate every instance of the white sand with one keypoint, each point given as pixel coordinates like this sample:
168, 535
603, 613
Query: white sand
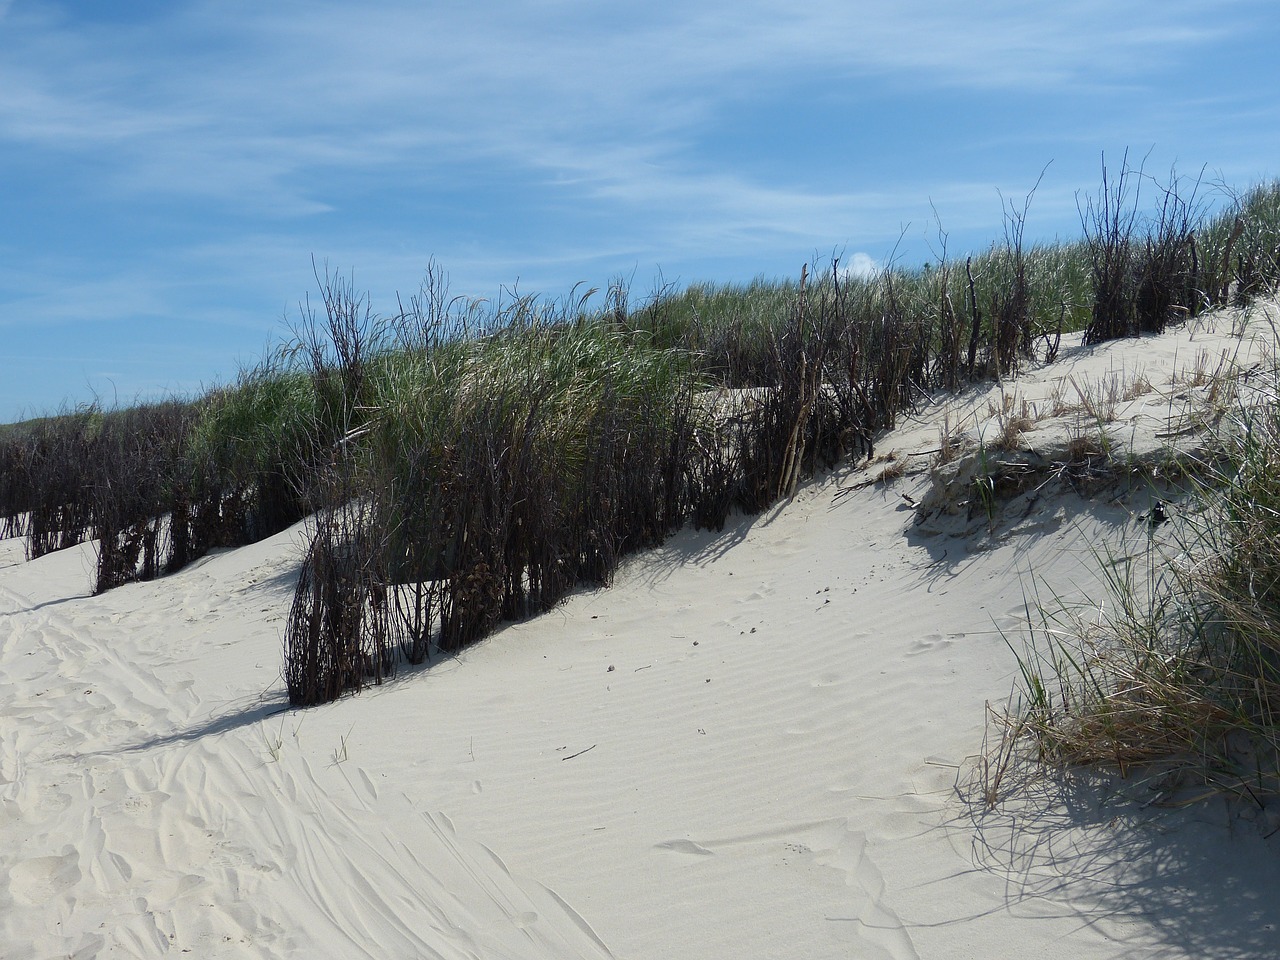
749, 747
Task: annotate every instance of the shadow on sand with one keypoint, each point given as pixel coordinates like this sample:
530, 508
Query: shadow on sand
1193, 881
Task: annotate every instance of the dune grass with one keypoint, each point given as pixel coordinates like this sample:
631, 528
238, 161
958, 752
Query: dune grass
1174, 676
466, 462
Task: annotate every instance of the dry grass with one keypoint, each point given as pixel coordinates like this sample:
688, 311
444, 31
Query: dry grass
1014, 416
1099, 399
894, 469
1137, 386
951, 443
1176, 675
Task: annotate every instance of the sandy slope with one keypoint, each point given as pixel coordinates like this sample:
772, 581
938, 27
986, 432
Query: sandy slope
749, 747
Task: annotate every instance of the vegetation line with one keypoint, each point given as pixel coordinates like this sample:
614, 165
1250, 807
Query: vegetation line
463, 463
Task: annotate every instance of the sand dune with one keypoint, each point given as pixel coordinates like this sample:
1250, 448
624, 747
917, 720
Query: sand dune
758, 743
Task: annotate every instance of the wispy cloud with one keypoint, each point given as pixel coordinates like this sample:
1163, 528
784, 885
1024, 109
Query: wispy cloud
193, 155
243, 102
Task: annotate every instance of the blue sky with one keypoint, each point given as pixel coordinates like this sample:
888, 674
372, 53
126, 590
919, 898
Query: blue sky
170, 167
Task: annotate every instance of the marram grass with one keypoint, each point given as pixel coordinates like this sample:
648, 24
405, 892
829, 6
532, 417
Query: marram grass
463, 462
1175, 675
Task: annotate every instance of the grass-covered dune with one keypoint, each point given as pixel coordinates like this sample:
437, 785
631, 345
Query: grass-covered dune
467, 462
1173, 671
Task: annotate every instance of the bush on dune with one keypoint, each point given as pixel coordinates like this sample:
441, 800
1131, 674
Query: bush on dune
483, 478
465, 463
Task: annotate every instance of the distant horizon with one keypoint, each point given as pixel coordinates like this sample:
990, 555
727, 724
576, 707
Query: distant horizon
172, 168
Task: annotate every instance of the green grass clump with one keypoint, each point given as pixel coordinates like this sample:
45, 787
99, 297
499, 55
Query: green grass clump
480, 478
485, 479
249, 461
1181, 678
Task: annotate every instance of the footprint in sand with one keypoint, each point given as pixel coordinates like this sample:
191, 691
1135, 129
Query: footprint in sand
930, 642
40, 879
51, 803
141, 804
829, 862
684, 846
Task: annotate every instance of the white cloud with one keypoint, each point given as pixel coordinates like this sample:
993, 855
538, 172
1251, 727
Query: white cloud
555, 141
242, 101
272, 111
861, 265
